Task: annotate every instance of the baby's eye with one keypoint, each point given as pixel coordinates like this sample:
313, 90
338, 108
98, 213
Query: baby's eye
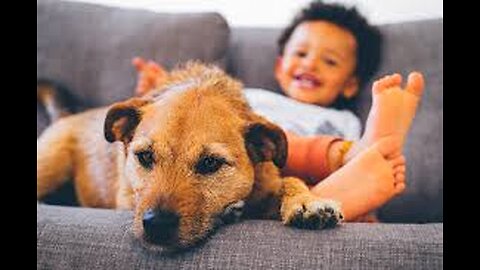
209, 164
331, 62
300, 54
146, 158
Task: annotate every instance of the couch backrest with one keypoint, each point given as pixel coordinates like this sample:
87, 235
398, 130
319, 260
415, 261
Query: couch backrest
408, 46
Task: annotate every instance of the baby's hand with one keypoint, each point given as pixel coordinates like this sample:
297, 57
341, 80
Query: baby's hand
150, 75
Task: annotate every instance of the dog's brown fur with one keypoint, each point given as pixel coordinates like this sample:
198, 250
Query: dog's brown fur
199, 114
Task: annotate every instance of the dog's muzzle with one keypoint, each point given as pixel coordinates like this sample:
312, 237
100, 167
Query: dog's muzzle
160, 226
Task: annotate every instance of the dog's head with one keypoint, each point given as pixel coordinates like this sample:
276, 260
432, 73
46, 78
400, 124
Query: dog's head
191, 150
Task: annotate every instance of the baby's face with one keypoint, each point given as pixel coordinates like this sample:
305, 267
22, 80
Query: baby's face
318, 63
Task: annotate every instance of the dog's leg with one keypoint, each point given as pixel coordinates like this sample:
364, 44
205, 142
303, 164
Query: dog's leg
265, 199
54, 157
124, 198
302, 209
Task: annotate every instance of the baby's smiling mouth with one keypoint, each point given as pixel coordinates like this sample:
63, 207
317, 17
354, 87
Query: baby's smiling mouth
307, 81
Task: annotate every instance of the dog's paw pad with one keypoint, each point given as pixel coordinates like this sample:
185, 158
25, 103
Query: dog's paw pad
318, 214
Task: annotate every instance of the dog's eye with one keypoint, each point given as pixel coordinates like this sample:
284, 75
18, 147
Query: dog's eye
145, 158
209, 164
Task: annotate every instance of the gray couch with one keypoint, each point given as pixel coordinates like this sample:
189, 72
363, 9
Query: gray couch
89, 47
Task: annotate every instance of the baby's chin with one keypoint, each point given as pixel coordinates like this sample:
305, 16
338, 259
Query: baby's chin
310, 96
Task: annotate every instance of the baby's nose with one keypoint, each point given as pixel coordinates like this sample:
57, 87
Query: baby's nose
310, 63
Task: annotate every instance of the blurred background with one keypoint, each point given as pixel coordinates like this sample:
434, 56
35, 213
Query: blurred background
277, 13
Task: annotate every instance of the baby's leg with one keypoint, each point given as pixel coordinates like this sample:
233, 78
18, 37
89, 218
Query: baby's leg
368, 181
392, 111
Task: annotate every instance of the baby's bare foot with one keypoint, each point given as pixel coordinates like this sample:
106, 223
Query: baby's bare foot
399, 168
393, 104
368, 181
392, 111
150, 75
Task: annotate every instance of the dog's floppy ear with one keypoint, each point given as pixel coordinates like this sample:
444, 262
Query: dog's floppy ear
122, 119
266, 142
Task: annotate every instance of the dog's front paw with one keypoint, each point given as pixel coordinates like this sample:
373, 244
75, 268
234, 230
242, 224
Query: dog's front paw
313, 214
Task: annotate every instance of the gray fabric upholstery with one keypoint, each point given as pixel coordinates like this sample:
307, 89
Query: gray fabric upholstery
83, 238
251, 56
408, 46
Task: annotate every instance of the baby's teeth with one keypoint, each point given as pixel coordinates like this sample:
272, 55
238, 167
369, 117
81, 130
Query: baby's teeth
306, 83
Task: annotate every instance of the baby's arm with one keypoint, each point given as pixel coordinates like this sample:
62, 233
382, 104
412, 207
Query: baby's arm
314, 157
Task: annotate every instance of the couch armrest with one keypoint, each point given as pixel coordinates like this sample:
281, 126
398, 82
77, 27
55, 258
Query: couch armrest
85, 238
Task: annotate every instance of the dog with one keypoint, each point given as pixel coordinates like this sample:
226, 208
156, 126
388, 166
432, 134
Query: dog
185, 157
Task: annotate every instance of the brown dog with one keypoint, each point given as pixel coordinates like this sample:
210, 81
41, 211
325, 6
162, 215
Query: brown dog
183, 157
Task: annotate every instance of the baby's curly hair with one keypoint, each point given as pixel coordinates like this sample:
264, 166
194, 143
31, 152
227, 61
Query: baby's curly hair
368, 37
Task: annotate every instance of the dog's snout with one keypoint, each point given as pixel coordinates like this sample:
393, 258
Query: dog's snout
160, 225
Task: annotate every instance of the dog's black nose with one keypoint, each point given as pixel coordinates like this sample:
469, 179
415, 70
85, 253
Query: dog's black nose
160, 225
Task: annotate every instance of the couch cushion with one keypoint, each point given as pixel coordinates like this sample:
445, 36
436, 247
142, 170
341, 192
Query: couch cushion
89, 47
410, 45
251, 57
83, 238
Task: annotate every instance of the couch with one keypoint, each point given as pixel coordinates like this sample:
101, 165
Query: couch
88, 48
